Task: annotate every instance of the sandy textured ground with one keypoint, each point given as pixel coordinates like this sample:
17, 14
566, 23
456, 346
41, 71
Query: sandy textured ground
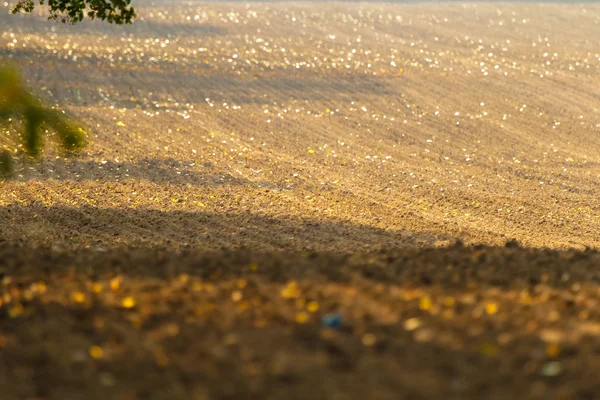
254, 168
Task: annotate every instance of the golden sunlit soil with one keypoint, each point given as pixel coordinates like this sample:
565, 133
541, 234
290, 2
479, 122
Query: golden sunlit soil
308, 200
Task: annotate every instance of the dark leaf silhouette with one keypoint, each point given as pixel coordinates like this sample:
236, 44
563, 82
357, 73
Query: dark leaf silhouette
73, 11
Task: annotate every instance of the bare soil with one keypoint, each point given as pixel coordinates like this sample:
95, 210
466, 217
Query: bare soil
308, 200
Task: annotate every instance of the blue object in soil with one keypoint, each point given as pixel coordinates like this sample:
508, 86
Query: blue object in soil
332, 320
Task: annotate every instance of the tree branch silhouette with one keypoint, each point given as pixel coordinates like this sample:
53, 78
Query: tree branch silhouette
73, 11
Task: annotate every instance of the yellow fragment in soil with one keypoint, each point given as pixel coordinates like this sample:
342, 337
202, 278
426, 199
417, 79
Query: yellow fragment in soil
425, 303
553, 350
115, 283
302, 317
243, 305
96, 352
290, 291
312, 306
236, 296
16, 310
449, 302
128, 302
412, 324
78, 297
41, 287
183, 279
491, 308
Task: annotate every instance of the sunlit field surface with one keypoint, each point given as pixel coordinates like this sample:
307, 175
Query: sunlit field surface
292, 126
254, 168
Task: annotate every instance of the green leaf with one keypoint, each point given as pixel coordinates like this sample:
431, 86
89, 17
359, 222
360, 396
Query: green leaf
16, 101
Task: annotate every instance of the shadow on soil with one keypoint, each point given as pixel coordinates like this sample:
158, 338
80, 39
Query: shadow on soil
182, 240
154, 170
85, 82
452, 267
107, 228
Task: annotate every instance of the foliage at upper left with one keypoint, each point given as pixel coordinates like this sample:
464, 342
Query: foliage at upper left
73, 11
18, 104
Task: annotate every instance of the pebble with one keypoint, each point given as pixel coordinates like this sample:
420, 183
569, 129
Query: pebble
332, 320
